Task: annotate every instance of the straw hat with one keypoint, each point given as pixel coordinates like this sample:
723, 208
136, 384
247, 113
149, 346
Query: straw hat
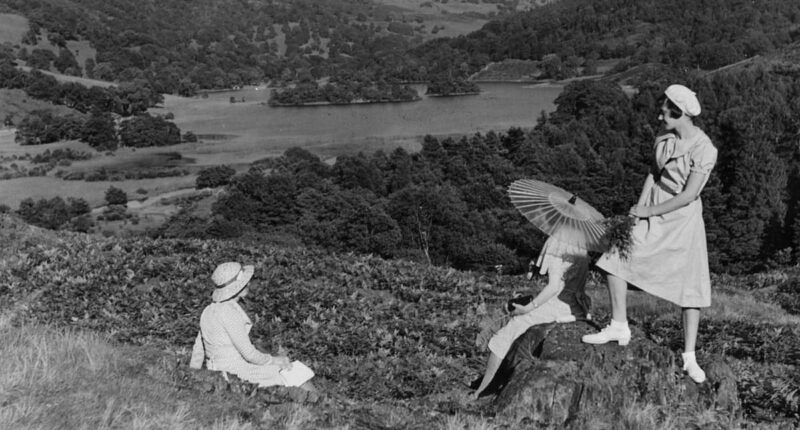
230, 278
684, 98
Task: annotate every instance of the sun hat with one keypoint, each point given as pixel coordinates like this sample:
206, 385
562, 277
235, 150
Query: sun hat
684, 98
230, 278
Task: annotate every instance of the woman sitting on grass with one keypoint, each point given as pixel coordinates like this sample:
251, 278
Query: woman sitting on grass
563, 300
223, 342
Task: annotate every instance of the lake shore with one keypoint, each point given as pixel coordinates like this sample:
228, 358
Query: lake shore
236, 134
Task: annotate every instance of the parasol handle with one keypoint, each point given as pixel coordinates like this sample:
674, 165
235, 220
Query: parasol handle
573, 199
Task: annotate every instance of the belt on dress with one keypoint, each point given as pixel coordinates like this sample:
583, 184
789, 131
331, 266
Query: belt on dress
664, 187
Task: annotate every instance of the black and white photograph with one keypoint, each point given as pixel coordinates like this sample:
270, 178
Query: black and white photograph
399, 214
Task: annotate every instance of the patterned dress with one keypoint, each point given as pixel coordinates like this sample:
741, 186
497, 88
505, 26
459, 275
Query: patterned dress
669, 257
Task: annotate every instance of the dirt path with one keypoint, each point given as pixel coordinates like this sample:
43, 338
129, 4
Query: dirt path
157, 200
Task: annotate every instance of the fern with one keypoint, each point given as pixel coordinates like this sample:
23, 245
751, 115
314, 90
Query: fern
618, 235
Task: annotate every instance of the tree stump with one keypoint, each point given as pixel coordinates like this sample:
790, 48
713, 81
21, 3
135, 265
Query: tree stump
551, 378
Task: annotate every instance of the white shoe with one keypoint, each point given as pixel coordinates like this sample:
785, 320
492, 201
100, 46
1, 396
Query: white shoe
618, 332
693, 369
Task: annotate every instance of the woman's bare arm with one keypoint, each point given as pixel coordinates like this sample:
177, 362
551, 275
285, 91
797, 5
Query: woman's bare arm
689, 194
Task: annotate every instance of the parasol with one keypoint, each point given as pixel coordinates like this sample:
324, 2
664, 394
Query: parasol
558, 213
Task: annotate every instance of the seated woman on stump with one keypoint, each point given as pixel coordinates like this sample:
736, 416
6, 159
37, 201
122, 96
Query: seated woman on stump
223, 342
562, 300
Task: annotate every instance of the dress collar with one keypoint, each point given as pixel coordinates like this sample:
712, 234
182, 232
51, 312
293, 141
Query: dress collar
668, 146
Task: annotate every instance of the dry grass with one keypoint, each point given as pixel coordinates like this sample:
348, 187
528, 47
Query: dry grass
730, 306
744, 307
467, 422
12, 28
60, 378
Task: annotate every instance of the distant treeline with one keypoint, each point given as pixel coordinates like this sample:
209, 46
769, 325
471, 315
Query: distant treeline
449, 87
569, 37
126, 99
447, 203
96, 107
224, 43
341, 92
181, 47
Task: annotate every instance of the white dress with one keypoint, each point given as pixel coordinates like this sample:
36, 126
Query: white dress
224, 344
669, 257
566, 266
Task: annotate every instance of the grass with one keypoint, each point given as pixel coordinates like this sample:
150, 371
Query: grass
12, 28
52, 377
60, 378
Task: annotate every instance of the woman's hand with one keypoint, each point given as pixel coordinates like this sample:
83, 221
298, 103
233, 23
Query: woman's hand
521, 310
281, 361
640, 211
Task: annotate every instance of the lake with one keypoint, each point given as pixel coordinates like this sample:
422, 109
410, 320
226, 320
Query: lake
256, 128
250, 130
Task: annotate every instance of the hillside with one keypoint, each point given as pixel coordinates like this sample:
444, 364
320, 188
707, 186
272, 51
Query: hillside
211, 44
392, 343
578, 38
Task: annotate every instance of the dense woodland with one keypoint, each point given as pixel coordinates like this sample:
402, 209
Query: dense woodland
447, 204
187, 46
191, 45
570, 36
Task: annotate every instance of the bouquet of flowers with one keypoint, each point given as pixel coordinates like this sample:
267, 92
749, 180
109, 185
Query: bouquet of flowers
619, 234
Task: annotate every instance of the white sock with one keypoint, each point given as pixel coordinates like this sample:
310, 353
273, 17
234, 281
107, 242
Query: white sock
618, 324
688, 357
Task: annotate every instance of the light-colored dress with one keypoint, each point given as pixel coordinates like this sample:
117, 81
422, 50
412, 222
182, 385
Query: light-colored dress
669, 257
566, 266
224, 344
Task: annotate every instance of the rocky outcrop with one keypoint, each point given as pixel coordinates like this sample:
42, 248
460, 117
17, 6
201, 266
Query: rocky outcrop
550, 378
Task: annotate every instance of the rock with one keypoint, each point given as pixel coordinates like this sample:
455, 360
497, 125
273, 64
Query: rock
553, 379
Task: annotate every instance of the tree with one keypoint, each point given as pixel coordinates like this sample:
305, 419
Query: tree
41, 59
52, 213
216, 176
116, 196
147, 130
258, 200
65, 61
755, 180
357, 172
347, 220
100, 132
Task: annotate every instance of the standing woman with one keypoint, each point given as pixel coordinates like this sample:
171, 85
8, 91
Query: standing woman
669, 258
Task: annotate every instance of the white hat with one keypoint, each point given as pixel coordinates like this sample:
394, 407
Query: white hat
230, 278
684, 98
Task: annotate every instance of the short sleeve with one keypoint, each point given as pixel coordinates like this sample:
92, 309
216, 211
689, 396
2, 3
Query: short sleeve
702, 157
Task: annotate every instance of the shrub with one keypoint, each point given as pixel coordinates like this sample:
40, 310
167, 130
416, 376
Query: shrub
45, 213
214, 177
83, 224
114, 213
78, 206
788, 296
146, 130
115, 196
